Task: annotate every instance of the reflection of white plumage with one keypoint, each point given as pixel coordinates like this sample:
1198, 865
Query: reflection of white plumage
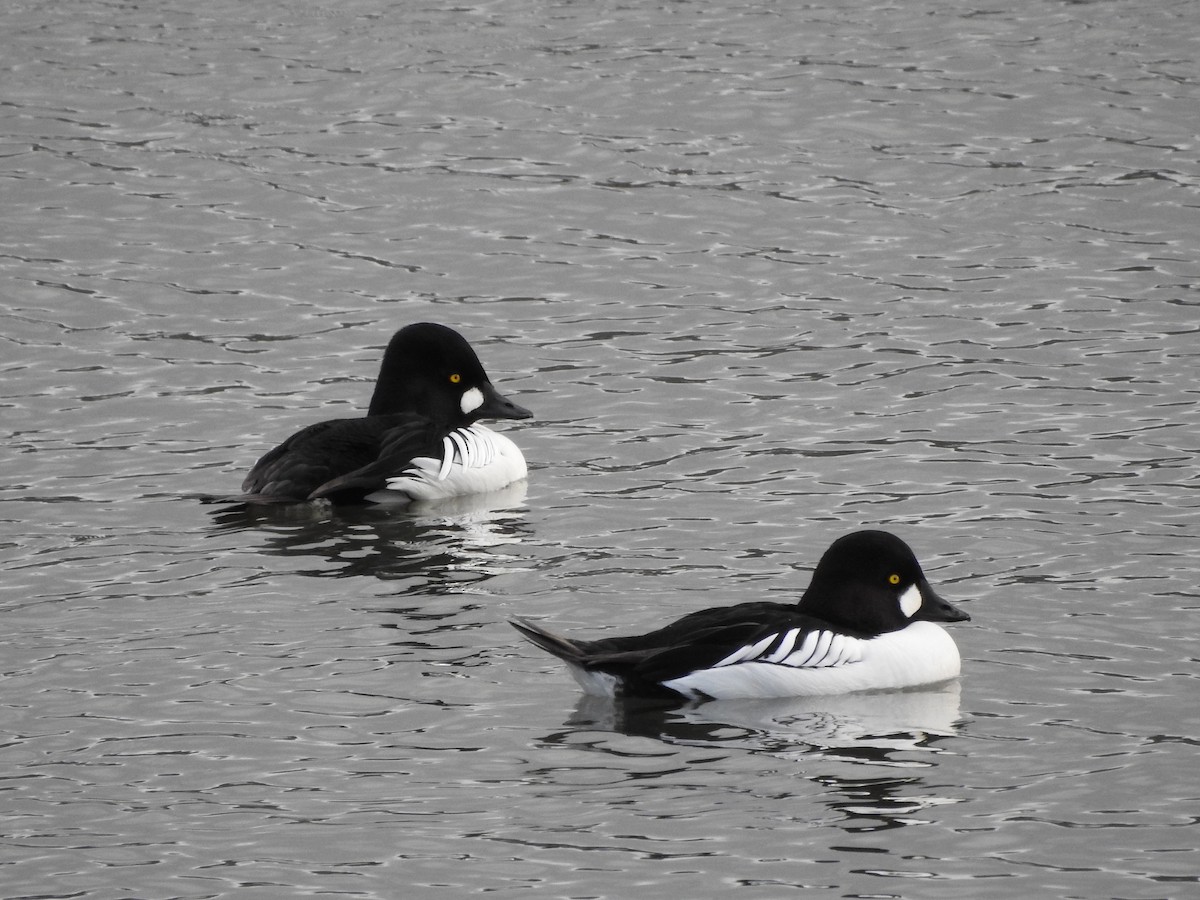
830, 721
884, 721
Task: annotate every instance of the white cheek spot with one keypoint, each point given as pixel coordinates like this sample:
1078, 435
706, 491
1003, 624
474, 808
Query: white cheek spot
471, 401
910, 601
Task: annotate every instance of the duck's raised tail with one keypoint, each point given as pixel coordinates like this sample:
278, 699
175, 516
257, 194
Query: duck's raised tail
552, 643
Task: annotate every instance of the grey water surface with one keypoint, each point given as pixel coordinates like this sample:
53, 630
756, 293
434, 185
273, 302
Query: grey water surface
765, 273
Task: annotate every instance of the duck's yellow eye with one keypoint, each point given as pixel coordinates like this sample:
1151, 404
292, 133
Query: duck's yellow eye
893, 578
455, 378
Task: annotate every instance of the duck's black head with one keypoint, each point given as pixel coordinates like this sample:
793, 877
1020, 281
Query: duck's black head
870, 581
431, 369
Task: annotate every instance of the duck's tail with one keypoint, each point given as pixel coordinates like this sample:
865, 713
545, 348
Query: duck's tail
552, 643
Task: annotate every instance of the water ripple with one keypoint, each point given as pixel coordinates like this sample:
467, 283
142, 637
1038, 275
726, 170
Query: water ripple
763, 275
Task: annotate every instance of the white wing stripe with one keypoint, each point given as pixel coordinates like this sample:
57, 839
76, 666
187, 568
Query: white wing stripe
736, 656
447, 458
851, 651
801, 656
466, 447
470, 447
470, 460
820, 658
825, 649
818, 649
785, 647
462, 442
837, 651
748, 652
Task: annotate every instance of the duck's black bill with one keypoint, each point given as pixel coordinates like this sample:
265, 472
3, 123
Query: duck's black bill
497, 406
935, 609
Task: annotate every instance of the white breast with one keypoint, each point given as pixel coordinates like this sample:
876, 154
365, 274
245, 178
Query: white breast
922, 653
474, 460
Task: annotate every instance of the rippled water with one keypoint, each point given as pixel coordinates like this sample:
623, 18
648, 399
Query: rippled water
765, 274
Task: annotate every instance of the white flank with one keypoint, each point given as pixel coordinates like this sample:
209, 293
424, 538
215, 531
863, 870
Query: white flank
474, 460
594, 684
923, 653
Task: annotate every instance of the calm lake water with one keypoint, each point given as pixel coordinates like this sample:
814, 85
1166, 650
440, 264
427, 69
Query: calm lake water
765, 273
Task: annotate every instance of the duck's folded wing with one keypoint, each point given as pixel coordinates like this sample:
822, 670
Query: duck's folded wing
311, 457
799, 646
397, 440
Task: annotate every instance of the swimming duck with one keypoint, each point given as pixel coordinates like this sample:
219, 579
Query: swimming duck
866, 622
420, 439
